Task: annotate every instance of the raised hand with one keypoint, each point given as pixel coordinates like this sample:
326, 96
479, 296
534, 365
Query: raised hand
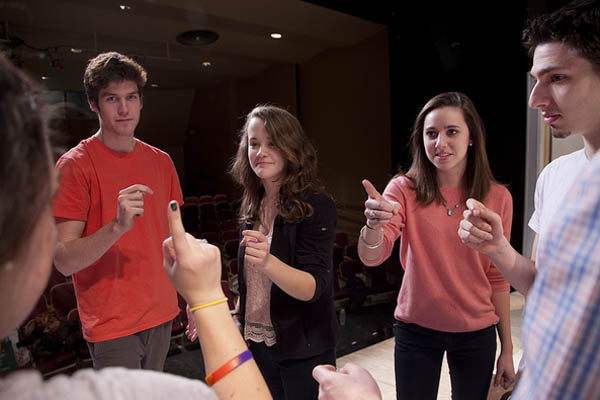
193, 266
378, 210
350, 382
131, 205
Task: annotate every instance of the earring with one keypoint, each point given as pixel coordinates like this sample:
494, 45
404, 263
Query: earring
470, 144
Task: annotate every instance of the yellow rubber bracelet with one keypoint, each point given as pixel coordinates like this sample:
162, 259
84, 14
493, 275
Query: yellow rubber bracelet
212, 303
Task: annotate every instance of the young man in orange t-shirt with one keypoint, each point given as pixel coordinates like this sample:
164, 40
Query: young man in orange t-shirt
111, 221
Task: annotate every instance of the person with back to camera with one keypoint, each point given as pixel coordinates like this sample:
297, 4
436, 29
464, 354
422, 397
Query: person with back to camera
452, 299
286, 304
28, 182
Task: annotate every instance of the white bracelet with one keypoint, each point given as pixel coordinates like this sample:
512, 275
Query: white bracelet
371, 246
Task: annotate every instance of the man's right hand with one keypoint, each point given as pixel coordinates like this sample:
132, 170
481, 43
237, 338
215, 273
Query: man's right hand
131, 205
481, 228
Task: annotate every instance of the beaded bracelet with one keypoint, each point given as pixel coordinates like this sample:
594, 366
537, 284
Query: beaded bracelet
371, 246
212, 303
229, 366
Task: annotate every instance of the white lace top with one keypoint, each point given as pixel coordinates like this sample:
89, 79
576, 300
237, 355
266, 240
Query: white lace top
258, 326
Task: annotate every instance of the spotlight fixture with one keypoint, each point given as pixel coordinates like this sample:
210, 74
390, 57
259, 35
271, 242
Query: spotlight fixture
154, 85
45, 78
124, 7
206, 64
276, 35
199, 37
74, 50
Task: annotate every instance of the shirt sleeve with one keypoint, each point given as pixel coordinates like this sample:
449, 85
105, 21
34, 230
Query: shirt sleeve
393, 229
534, 221
176, 193
495, 277
72, 200
108, 384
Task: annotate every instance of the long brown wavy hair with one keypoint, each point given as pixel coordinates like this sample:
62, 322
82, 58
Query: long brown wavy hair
299, 175
423, 174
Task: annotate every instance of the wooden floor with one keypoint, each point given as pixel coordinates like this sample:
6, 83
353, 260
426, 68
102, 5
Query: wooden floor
379, 358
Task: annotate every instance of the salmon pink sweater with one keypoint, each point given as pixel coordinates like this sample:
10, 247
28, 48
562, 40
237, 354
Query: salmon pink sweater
446, 286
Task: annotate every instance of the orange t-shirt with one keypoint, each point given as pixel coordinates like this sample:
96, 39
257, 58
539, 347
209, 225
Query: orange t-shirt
127, 289
446, 286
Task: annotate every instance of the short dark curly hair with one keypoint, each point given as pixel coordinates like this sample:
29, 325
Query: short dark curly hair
110, 67
577, 25
25, 159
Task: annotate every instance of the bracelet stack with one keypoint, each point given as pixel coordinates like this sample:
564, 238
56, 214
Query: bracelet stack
371, 246
229, 366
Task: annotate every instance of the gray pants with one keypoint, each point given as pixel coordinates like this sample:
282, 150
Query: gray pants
146, 349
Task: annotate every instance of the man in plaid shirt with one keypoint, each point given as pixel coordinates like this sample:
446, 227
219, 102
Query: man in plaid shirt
561, 331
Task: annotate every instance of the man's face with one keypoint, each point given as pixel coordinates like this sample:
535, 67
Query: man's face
567, 91
118, 108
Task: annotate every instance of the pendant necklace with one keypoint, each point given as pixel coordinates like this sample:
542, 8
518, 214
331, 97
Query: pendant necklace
449, 211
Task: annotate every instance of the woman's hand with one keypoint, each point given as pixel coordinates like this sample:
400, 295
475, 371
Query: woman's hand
190, 330
378, 210
505, 371
257, 249
193, 266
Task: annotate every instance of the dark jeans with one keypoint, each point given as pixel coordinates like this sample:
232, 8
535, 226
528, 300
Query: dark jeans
146, 349
418, 356
289, 379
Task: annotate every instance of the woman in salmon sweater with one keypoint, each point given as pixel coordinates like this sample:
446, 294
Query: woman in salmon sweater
452, 298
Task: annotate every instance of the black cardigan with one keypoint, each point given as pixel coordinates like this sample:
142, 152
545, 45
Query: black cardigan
303, 328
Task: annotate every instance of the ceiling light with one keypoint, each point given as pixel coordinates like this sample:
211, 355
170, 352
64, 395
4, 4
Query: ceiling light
276, 35
45, 78
206, 64
124, 7
154, 85
199, 37
76, 51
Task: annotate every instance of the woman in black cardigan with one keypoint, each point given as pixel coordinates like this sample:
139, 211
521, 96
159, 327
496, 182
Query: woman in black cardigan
288, 227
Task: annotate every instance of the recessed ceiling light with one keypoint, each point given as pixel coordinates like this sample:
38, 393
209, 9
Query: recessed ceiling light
276, 35
45, 78
154, 85
124, 7
206, 64
74, 50
199, 37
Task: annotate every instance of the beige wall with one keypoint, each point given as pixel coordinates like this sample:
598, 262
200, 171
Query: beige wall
345, 108
343, 101
216, 117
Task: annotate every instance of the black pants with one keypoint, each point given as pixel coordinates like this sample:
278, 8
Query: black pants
418, 357
289, 379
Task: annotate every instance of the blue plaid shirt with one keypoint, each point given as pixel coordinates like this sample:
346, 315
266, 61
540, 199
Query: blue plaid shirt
561, 327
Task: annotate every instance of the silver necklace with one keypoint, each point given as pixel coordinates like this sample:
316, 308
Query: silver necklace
449, 211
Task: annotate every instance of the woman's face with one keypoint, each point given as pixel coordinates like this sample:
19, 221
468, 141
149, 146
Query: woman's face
22, 283
446, 139
265, 159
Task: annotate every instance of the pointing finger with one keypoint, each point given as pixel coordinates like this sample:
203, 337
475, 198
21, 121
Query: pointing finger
371, 191
176, 227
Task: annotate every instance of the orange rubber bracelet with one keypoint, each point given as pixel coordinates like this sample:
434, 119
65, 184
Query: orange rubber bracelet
229, 366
